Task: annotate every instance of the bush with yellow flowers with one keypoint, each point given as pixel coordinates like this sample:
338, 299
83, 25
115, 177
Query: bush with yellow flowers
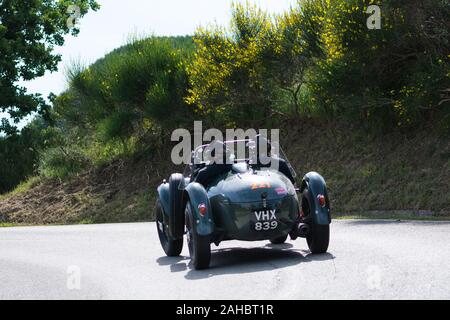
320, 59
391, 77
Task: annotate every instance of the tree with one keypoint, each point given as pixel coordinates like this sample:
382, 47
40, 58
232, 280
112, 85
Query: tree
228, 76
19, 153
29, 31
391, 77
254, 69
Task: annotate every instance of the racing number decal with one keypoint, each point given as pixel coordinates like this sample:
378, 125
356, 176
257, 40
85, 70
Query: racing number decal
262, 185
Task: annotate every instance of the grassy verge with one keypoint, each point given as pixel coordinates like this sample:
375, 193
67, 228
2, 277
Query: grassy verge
8, 225
21, 188
391, 216
136, 207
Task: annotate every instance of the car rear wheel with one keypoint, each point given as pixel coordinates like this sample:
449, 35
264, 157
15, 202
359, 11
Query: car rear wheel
318, 238
199, 246
176, 214
172, 248
279, 240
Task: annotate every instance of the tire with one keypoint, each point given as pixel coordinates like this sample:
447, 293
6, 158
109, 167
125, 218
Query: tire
318, 238
279, 240
199, 246
172, 248
176, 202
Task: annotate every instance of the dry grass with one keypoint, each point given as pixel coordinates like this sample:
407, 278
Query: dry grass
118, 192
392, 172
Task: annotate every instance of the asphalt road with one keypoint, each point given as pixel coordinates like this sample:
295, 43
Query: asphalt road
366, 260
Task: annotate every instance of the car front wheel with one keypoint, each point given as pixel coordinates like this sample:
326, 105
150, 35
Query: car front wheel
172, 248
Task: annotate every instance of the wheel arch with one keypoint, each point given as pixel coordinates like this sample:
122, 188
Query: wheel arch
316, 185
196, 194
163, 196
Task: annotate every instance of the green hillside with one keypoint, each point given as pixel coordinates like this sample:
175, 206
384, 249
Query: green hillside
370, 109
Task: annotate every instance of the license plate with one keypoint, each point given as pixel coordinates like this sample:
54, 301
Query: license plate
264, 220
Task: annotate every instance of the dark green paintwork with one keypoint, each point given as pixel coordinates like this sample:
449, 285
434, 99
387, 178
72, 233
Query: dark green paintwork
233, 197
236, 196
234, 218
163, 194
316, 185
197, 195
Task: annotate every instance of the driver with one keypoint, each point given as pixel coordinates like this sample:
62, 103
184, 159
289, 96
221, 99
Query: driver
217, 159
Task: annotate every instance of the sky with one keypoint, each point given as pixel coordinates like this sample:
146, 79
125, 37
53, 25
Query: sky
117, 20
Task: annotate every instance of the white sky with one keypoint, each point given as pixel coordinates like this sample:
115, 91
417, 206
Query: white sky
116, 21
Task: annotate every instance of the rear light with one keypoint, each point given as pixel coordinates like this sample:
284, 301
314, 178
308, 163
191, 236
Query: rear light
321, 199
202, 209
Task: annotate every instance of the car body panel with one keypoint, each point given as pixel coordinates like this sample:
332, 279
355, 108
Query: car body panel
197, 195
316, 186
238, 194
233, 220
164, 197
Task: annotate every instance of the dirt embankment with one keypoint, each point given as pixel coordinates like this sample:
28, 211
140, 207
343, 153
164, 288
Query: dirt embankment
118, 192
392, 172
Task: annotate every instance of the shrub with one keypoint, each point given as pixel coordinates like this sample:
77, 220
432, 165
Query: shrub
62, 162
19, 153
122, 96
383, 78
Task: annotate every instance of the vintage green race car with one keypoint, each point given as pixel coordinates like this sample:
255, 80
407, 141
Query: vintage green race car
240, 199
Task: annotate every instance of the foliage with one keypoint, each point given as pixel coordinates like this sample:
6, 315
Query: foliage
19, 153
317, 59
256, 68
381, 78
128, 90
62, 162
238, 73
29, 31
129, 94
320, 59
